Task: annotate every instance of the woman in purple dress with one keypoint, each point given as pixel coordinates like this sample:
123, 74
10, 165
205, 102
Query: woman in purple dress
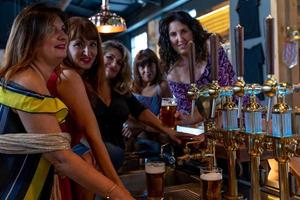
176, 30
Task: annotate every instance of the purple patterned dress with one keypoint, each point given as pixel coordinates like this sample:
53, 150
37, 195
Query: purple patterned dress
226, 77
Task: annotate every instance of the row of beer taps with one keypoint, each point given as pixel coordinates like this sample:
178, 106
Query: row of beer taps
260, 128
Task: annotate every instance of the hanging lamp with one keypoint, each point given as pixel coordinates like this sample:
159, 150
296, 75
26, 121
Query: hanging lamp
108, 22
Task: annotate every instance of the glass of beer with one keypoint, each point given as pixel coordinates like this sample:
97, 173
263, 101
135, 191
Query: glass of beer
211, 183
155, 176
167, 111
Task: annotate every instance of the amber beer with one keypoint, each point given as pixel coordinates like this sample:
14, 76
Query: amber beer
155, 176
167, 112
211, 185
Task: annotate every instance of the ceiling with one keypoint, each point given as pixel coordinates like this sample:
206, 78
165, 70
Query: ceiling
136, 12
88, 8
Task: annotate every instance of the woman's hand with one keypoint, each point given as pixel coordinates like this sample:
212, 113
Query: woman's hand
184, 119
127, 132
120, 194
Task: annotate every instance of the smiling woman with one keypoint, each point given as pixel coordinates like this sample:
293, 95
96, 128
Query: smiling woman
31, 118
176, 30
149, 87
84, 62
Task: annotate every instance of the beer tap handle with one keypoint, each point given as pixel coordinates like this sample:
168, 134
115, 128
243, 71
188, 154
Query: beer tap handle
239, 107
269, 108
191, 63
193, 109
213, 108
270, 43
239, 49
213, 39
270, 61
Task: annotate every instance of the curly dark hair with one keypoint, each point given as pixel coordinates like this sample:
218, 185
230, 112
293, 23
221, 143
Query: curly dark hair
167, 54
143, 57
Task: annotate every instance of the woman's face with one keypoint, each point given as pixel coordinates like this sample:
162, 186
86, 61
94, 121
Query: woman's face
54, 46
147, 72
180, 35
83, 52
113, 62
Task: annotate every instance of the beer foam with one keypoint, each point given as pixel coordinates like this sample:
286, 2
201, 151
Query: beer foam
212, 176
155, 168
169, 104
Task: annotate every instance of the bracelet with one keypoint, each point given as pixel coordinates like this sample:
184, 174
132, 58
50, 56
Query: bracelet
107, 196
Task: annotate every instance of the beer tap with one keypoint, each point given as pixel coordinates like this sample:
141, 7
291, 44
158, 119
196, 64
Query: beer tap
214, 89
269, 86
284, 143
253, 132
254, 135
211, 90
193, 153
167, 154
193, 87
239, 85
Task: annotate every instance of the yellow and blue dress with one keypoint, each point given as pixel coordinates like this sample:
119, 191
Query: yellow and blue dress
26, 176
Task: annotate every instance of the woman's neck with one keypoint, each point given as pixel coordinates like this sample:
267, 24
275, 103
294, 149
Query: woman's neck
44, 68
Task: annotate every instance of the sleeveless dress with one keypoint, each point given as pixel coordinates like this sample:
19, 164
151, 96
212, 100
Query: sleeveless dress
152, 103
225, 77
28, 176
65, 184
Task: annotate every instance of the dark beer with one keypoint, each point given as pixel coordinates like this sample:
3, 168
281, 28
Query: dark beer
211, 186
155, 176
168, 110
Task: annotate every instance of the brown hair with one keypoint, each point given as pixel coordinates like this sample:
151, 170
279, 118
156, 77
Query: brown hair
82, 28
28, 31
143, 57
121, 83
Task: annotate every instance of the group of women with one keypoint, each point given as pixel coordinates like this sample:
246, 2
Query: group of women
65, 95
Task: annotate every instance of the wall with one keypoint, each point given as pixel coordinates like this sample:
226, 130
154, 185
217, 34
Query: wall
264, 11
201, 6
8, 11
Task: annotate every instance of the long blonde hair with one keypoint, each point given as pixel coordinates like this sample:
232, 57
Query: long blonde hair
121, 83
28, 31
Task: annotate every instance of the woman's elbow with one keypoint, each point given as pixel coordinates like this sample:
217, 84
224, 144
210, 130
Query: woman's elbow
59, 159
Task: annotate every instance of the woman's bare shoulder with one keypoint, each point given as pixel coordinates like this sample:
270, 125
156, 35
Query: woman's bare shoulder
31, 80
69, 74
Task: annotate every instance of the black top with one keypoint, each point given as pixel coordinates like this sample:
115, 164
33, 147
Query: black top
249, 21
254, 61
111, 118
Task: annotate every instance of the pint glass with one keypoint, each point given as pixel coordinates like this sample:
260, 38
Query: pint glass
167, 111
155, 176
211, 183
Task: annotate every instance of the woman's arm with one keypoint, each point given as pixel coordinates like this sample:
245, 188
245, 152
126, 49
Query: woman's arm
68, 163
150, 119
72, 92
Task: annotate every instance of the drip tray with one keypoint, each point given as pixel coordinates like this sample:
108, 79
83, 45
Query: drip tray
182, 194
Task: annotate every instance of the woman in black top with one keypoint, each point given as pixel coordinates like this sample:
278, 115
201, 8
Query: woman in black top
113, 102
